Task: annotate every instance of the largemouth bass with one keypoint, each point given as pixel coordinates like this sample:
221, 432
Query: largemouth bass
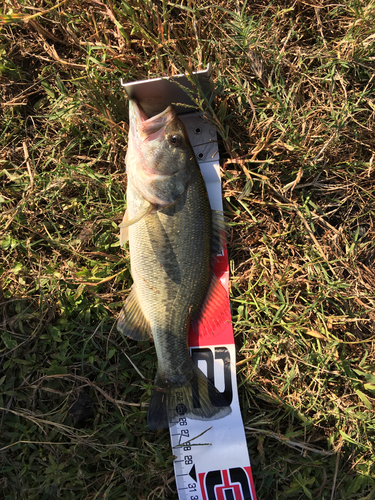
172, 235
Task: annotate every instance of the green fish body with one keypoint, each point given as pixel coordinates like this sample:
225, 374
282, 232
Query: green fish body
170, 227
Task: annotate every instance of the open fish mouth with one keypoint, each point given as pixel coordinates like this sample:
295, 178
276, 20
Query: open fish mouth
149, 128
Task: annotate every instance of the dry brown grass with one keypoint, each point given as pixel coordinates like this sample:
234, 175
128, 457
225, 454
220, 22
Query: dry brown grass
295, 110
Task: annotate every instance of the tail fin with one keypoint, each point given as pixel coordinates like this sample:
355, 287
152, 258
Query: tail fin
197, 398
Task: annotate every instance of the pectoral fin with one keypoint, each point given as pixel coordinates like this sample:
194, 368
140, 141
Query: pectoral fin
137, 218
124, 233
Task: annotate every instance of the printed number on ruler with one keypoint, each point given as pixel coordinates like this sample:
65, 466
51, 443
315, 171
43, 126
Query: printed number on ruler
217, 373
186, 477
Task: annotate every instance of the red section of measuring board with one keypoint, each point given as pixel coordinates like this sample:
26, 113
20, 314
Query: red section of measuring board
236, 484
233, 483
222, 334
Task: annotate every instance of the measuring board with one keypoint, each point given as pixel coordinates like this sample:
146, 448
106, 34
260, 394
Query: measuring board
212, 460
211, 456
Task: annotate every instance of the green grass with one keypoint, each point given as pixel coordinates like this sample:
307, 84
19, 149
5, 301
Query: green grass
295, 110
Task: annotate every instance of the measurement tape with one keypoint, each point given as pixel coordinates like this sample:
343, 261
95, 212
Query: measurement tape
212, 460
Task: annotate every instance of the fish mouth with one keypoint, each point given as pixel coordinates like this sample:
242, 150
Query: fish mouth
149, 128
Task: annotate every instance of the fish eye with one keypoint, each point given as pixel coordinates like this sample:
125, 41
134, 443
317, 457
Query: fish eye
175, 140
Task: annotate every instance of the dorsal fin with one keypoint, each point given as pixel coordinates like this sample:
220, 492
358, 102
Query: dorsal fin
219, 231
131, 321
213, 311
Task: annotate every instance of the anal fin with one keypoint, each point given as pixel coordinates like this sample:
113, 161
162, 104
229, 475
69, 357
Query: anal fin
131, 321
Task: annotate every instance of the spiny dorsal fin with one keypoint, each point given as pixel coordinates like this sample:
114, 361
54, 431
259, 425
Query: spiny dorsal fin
213, 311
132, 322
219, 231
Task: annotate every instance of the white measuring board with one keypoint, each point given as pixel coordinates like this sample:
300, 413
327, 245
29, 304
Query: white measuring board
212, 460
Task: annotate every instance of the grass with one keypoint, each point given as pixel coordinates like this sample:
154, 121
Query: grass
295, 110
